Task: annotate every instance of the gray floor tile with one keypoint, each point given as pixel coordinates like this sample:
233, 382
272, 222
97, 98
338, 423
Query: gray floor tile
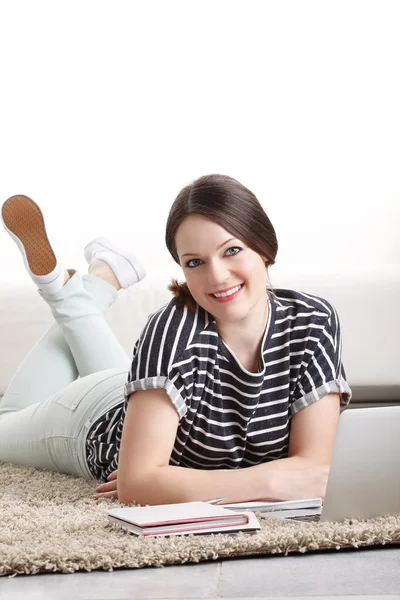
370, 574
379, 597
364, 572
180, 581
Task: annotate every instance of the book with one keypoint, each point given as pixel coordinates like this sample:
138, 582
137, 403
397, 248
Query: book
182, 519
287, 509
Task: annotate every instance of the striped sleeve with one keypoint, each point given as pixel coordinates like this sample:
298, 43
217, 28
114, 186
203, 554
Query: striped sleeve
321, 369
160, 344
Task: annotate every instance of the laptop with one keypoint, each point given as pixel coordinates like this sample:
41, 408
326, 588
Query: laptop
364, 478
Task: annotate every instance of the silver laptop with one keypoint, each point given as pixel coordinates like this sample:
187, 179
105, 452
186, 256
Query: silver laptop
364, 478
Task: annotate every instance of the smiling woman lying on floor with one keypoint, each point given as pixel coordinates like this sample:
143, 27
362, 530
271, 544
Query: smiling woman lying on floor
234, 389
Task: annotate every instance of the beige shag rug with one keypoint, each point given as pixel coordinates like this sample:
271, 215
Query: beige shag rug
50, 523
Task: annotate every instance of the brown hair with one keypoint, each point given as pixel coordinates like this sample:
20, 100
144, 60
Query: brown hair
230, 204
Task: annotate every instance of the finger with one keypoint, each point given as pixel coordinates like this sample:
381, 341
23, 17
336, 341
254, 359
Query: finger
112, 476
107, 487
112, 494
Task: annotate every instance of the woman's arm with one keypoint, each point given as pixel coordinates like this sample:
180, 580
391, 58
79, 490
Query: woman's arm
313, 430
145, 476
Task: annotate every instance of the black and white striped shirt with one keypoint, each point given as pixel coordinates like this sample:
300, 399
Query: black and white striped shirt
229, 417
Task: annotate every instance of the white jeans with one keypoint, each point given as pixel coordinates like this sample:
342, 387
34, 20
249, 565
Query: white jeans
74, 374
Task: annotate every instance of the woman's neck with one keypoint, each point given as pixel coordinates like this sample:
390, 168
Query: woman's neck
245, 336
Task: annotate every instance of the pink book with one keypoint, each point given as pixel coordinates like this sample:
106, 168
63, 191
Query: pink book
182, 518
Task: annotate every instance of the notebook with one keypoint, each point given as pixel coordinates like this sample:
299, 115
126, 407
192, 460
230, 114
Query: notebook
182, 519
289, 509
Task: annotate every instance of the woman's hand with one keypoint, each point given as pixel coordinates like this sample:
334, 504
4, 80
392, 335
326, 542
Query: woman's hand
108, 489
301, 483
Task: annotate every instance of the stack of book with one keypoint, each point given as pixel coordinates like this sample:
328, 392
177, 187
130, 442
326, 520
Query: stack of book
183, 518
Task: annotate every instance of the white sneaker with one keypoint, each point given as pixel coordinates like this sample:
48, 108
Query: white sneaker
126, 266
23, 220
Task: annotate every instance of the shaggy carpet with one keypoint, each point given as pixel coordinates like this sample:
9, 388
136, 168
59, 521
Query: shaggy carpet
50, 523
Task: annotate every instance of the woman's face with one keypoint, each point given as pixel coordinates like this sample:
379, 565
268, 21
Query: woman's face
214, 261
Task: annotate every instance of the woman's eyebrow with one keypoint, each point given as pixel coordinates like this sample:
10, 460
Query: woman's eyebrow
220, 246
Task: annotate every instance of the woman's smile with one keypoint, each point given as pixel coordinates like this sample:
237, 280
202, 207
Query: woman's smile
227, 295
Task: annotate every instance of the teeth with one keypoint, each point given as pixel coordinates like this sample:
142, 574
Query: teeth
228, 293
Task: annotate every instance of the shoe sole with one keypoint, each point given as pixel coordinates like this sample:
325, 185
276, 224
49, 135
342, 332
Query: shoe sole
24, 220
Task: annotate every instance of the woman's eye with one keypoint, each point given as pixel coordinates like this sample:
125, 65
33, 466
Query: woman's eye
190, 263
238, 248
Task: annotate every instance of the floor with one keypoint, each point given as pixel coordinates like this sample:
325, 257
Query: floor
370, 573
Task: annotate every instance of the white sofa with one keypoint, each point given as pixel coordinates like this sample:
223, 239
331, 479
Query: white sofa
367, 298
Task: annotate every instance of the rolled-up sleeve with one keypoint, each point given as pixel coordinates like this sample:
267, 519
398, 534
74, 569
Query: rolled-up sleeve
322, 370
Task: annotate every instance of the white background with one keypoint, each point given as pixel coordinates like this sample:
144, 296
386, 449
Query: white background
109, 108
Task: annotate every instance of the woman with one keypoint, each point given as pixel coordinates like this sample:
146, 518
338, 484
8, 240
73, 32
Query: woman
233, 391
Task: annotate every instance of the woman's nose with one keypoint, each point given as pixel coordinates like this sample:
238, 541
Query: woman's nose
217, 274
